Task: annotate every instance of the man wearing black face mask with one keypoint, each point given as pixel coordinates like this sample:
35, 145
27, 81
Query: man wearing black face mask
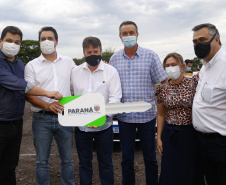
91, 77
209, 105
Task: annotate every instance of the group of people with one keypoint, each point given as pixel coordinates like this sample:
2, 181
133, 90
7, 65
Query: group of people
191, 131
191, 127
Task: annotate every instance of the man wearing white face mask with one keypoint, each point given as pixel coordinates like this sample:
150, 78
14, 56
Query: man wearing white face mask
50, 71
13, 88
139, 70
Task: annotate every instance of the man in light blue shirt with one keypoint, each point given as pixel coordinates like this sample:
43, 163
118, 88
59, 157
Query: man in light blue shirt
139, 70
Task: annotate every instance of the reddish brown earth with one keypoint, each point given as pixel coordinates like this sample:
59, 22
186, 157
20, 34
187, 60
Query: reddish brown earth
25, 170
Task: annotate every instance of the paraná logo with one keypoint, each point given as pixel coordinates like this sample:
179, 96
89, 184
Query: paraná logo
96, 108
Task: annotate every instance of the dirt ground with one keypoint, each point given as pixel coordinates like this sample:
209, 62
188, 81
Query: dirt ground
26, 168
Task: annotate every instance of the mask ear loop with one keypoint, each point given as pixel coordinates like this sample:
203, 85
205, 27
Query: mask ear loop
206, 43
213, 37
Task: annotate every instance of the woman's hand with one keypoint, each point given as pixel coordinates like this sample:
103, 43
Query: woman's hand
159, 146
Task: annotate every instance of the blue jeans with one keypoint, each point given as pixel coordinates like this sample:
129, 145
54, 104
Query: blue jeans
44, 128
104, 148
127, 134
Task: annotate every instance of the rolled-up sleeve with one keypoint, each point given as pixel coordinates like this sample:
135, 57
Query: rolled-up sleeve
29, 87
158, 73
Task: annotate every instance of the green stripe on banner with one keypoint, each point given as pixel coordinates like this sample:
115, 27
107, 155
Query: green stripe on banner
98, 122
68, 99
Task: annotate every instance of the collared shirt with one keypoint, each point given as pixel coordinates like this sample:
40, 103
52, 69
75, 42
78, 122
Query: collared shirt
12, 89
138, 78
105, 80
209, 106
51, 76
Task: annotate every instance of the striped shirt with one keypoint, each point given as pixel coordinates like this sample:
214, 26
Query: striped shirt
138, 78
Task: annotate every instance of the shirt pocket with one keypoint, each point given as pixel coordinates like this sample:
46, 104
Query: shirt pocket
207, 93
101, 88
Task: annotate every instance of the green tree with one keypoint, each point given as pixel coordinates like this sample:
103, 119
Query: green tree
79, 61
106, 55
197, 64
29, 50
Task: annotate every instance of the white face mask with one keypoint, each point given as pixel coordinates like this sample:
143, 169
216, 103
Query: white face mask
10, 49
47, 47
173, 72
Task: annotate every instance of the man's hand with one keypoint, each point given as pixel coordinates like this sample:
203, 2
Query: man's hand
54, 95
56, 107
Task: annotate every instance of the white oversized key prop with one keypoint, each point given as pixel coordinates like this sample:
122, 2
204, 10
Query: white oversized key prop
90, 109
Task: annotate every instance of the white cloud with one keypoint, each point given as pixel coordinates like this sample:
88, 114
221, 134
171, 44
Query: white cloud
164, 26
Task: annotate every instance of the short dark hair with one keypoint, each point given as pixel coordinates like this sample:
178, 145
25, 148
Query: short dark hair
48, 28
13, 30
211, 27
127, 23
176, 56
187, 61
93, 41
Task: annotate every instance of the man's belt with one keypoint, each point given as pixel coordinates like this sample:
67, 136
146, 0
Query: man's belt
47, 112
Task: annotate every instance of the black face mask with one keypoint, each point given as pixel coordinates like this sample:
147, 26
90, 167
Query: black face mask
93, 60
203, 49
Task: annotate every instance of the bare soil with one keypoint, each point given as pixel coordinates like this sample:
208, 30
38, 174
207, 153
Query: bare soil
26, 169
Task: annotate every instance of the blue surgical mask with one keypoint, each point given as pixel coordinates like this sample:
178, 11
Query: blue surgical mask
129, 41
188, 69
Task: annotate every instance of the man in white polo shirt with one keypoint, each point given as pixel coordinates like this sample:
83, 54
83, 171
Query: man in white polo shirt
209, 106
50, 71
91, 77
